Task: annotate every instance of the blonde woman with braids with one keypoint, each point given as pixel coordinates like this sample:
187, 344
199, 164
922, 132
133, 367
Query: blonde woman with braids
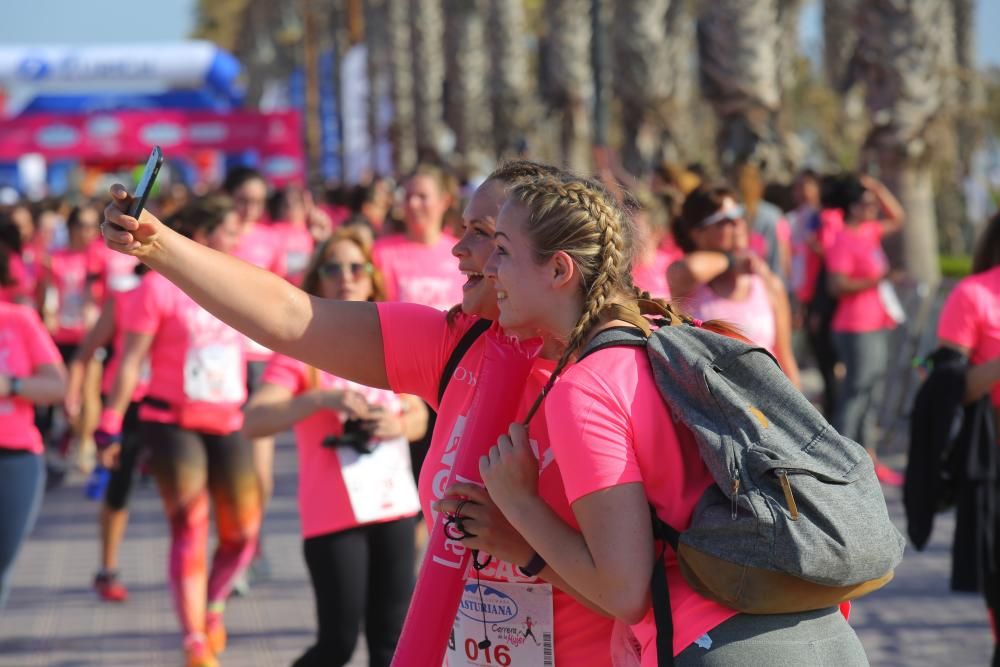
405, 348
561, 268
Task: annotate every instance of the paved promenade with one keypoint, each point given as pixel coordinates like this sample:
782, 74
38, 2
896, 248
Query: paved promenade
53, 618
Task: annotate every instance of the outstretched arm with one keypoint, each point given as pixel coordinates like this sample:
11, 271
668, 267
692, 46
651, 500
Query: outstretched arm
341, 337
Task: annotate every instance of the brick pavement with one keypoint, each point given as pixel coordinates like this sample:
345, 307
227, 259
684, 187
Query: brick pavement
54, 619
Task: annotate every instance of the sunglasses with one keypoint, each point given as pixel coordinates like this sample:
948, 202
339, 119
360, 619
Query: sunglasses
336, 270
732, 213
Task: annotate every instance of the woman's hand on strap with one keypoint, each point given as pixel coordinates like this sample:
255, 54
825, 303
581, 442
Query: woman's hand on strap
487, 527
135, 237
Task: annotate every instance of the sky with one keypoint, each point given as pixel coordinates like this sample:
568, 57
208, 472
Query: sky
121, 21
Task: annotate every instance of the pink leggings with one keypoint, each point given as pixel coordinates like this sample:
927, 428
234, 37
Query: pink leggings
191, 467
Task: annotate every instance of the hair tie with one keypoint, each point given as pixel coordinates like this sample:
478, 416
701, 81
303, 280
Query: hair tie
695, 322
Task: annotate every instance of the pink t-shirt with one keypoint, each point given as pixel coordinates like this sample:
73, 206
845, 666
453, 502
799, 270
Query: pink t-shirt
21, 286
418, 273
119, 270
262, 247
753, 315
417, 343
609, 426
324, 502
124, 304
653, 277
67, 272
857, 253
194, 358
24, 346
971, 318
297, 250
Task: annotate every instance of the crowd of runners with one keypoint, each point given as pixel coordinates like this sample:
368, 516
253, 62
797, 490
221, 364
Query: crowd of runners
155, 348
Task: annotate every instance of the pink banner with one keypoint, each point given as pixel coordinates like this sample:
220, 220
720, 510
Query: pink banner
129, 135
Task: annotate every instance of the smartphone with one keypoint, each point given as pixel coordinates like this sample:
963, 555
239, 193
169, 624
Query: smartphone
145, 185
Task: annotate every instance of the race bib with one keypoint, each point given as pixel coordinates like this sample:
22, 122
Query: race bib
380, 484
214, 374
518, 625
71, 310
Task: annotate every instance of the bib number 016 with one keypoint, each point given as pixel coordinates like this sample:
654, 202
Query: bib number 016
500, 654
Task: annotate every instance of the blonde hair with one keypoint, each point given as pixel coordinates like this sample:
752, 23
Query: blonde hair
581, 218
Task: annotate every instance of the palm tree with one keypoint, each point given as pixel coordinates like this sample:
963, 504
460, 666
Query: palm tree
905, 60
376, 21
510, 90
467, 109
404, 141
569, 83
427, 62
739, 46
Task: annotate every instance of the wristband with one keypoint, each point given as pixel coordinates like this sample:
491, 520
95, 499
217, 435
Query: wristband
534, 566
111, 421
729, 261
14, 386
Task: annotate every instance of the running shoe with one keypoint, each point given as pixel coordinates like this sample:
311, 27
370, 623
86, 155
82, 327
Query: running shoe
109, 588
241, 586
215, 632
887, 475
199, 654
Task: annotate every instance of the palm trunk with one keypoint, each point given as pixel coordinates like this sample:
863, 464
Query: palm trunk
739, 49
427, 63
376, 20
466, 106
510, 93
905, 56
404, 141
569, 79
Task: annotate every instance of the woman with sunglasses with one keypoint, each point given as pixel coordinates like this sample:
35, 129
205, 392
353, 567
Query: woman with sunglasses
720, 278
405, 348
357, 499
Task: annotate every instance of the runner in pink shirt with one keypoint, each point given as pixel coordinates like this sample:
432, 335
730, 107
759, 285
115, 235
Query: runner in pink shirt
562, 256
719, 277
291, 210
402, 347
656, 250
120, 457
357, 499
31, 373
418, 265
857, 274
190, 420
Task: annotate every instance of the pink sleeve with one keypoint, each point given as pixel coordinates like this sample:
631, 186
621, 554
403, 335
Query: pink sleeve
783, 231
591, 434
285, 372
416, 342
41, 348
960, 317
838, 257
142, 313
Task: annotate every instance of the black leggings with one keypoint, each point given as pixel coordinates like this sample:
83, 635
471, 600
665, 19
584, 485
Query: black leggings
360, 573
123, 477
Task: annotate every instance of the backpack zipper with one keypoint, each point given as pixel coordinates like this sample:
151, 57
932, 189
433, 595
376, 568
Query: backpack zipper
786, 486
735, 492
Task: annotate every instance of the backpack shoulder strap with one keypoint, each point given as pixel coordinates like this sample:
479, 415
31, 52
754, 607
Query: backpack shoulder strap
614, 337
470, 337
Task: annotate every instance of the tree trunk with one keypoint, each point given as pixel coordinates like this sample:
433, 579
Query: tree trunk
377, 49
510, 94
404, 141
467, 109
904, 57
739, 56
427, 63
569, 83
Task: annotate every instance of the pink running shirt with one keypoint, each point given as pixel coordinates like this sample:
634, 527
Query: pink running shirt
297, 250
754, 315
67, 272
609, 426
262, 247
417, 343
194, 358
24, 346
857, 252
653, 277
324, 502
418, 273
123, 306
971, 318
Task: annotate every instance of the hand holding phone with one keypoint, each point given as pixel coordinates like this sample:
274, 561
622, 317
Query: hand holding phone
145, 185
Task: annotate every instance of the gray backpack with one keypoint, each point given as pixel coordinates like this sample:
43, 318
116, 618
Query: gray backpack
796, 519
